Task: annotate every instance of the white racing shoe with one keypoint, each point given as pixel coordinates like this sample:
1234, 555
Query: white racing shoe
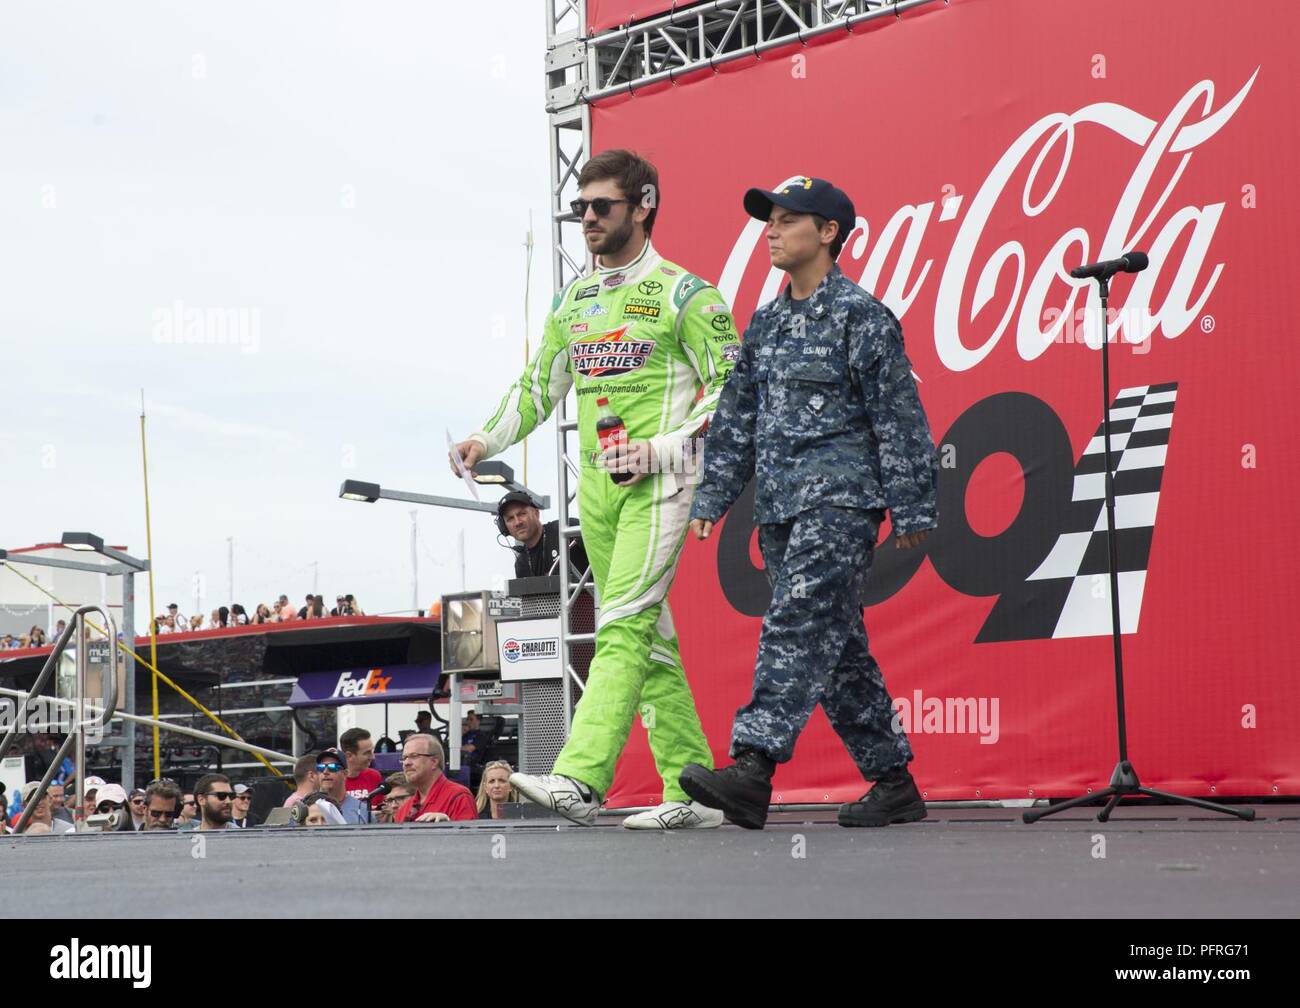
570, 798
675, 815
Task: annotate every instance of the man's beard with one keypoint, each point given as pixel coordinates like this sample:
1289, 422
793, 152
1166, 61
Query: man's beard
218, 816
616, 240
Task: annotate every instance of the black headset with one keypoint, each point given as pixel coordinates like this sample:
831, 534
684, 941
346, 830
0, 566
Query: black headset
513, 497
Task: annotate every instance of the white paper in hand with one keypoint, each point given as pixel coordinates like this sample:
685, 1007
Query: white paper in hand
460, 466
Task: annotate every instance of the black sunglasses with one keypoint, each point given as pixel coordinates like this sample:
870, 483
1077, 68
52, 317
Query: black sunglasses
164, 814
220, 795
600, 204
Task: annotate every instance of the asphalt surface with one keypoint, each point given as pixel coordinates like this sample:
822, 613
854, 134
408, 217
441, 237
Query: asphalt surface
1161, 863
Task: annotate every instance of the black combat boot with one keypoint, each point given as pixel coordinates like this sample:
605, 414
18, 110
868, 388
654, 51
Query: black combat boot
742, 791
893, 799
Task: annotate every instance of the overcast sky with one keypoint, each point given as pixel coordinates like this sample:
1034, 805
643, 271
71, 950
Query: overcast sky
350, 185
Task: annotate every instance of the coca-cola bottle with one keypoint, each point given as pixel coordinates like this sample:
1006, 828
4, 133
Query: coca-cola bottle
611, 432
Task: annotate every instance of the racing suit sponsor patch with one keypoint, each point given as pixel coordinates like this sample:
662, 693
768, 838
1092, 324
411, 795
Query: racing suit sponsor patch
641, 307
610, 353
683, 291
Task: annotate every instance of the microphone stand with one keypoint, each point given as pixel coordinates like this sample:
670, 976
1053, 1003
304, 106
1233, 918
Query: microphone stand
1124, 781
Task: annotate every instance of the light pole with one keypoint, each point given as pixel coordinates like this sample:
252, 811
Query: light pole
486, 473
368, 493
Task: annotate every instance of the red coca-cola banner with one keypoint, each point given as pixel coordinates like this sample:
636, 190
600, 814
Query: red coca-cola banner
990, 146
602, 15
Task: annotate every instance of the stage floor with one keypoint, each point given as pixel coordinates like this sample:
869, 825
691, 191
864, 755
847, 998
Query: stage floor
1159, 862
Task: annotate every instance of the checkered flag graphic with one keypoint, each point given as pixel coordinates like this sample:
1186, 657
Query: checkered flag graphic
1073, 579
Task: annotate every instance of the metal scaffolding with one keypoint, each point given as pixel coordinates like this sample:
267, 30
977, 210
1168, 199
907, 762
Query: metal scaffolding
570, 142
700, 36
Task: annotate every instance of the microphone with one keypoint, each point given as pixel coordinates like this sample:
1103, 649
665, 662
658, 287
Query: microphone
1134, 262
383, 789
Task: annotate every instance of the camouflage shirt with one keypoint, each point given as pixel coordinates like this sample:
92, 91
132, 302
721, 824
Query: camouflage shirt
825, 411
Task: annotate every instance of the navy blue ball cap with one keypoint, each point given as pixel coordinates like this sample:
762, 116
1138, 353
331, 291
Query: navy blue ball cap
804, 195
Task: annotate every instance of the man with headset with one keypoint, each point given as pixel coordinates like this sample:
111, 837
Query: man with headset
538, 544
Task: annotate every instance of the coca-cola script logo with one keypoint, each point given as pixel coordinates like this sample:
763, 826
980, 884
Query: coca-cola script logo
1048, 146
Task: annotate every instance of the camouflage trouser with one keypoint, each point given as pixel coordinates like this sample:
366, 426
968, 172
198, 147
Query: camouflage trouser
813, 648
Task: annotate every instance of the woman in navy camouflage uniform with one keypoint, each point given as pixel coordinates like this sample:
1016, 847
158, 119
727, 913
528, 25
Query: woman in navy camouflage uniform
823, 409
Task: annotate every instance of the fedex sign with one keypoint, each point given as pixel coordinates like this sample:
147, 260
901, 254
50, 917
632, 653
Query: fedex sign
351, 684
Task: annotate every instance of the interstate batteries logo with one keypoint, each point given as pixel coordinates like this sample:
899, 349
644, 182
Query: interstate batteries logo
531, 649
610, 353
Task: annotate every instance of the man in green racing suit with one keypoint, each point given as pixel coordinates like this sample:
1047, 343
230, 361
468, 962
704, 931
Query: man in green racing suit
659, 343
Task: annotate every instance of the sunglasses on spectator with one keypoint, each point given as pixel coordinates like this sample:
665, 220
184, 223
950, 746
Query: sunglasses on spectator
600, 204
332, 767
137, 801
103, 808
220, 795
164, 814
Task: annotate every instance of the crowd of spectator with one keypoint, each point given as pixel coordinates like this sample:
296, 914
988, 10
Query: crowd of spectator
334, 787
235, 615
35, 637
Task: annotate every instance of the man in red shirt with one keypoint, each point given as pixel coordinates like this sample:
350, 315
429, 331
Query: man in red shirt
360, 753
436, 798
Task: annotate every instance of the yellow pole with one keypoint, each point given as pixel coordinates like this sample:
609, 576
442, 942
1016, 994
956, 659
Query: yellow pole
153, 611
528, 273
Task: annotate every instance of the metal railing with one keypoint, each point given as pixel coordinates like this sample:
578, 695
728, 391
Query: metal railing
76, 737
99, 716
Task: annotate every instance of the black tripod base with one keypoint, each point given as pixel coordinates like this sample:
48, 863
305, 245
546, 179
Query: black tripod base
1124, 783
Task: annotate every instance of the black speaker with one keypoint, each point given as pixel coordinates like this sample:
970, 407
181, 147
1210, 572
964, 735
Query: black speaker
268, 793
